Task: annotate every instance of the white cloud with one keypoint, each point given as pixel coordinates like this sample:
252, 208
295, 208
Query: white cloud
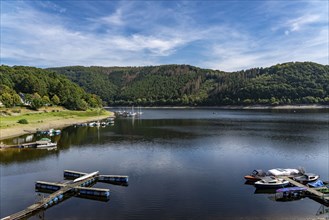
113, 19
47, 42
300, 22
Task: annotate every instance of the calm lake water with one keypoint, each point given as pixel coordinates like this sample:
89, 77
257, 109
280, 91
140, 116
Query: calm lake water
182, 164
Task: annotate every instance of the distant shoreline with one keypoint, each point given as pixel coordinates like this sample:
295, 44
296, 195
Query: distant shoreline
256, 107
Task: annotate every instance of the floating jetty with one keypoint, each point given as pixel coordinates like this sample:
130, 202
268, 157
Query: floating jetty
44, 143
80, 186
312, 192
112, 179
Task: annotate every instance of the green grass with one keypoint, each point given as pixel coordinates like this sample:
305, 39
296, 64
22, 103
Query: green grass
40, 116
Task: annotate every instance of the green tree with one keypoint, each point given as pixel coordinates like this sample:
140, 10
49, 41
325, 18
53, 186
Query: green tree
7, 100
36, 101
45, 100
16, 99
55, 100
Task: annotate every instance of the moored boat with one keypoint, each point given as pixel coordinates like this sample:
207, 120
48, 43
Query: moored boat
306, 178
44, 143
290, 193
271, 182
47, 145
255, 175
285, 172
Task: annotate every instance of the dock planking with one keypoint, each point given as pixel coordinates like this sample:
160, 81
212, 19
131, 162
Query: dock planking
312, 191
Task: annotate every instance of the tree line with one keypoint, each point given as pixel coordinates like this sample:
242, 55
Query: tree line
35, 87
287, 83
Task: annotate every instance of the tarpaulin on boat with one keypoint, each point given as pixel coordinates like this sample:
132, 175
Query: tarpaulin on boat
290, 189
316, 184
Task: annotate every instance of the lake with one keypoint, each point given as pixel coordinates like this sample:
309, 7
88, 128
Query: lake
181, 163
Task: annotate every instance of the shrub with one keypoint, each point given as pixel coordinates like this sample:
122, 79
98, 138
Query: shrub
23, 121
16, 111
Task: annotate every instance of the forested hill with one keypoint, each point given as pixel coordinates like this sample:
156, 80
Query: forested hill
38, 87
288, 83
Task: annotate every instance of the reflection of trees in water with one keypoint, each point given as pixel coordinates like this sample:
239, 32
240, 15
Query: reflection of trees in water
15, 155
283, 134
125, 130
73, 136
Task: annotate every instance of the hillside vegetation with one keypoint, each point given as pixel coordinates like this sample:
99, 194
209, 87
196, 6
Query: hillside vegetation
288, 83
36, 87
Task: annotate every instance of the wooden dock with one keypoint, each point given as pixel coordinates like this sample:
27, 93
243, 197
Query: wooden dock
25, 145
311, 191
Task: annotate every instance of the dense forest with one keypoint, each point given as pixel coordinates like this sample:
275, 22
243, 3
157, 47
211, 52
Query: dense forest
36, 87
287, 83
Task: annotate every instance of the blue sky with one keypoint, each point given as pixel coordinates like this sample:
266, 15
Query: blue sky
224, 35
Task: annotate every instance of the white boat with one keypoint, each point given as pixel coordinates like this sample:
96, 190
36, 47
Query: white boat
307, 177
271, 182
284, 172
139, 111
85, 176
131, 114
47, 145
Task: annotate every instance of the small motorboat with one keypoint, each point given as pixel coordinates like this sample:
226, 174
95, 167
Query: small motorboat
306, 178
255, 175
271, 182
45, 143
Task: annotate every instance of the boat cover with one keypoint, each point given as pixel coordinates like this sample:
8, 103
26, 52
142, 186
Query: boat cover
283, 172
316, 184
290, 189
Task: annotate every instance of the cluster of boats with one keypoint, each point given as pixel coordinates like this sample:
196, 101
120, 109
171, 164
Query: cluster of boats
129, 114
271, 178
107, 122
50, 132
289, 185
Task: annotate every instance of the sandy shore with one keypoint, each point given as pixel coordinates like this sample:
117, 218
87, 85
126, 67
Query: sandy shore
21, 129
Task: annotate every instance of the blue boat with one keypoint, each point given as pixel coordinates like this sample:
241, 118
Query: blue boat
290, 193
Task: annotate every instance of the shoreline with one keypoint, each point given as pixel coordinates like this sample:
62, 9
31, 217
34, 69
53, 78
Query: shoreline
56, 123
59, 123
233, 107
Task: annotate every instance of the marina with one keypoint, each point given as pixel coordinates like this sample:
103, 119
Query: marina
286, 184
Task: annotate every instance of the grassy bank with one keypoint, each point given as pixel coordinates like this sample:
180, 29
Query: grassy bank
45, 118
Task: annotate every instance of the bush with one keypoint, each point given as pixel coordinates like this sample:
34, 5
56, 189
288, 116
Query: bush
16, 111
23, 121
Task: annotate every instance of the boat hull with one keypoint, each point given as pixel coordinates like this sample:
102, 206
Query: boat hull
271, 185
305, 180
251, 178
